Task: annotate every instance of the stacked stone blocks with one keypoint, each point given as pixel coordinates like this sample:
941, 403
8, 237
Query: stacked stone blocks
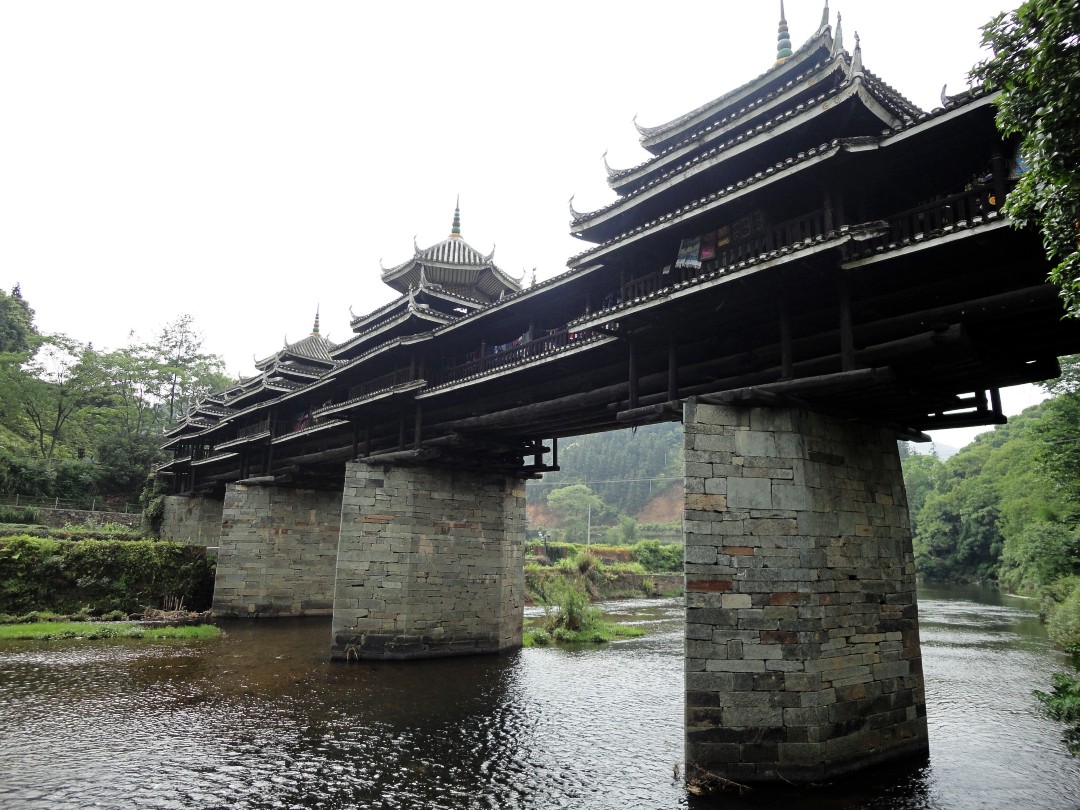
430, 563
195, 520
802, 641
277, 552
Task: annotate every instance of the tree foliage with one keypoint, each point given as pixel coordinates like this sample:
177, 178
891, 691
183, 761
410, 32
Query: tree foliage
1036, 66
75, 421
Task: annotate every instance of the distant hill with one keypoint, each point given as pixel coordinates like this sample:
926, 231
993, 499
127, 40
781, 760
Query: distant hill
627, 468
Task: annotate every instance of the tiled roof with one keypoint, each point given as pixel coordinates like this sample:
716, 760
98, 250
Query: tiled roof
821, 38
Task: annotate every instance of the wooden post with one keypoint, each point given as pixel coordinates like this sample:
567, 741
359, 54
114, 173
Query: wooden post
672, 369
633, 375
787, 359
418, 425
847, 333
999, 167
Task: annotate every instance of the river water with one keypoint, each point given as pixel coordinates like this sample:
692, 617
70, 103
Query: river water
260, 719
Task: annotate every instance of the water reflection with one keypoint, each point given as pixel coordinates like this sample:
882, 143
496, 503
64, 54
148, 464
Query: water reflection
260, 719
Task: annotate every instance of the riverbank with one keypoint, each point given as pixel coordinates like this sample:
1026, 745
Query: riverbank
92, 631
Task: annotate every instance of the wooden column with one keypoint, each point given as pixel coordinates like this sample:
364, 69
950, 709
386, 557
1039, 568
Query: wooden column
787, 359
847, 333
633, 374
673, 369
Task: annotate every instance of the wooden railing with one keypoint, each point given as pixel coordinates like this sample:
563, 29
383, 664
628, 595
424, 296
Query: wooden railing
254, 430
499, 357
932, 218
394, 378
786, 233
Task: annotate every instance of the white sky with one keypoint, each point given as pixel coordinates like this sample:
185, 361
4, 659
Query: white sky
246, 162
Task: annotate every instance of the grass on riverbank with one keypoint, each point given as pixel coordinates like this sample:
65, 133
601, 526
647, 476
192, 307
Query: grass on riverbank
50, 631
600, 633
568, 616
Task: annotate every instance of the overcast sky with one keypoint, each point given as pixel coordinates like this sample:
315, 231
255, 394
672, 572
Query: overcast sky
247, 162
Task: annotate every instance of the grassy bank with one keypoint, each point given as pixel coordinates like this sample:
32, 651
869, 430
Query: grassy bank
104, 630
99, 576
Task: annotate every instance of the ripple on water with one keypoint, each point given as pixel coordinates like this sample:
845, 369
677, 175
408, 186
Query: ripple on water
261, 720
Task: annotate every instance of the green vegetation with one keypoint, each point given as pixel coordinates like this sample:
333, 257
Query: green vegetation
81, 424
569, 617
606, 572
605, 479
1036, 52
98, 576
51, 631
1005, 510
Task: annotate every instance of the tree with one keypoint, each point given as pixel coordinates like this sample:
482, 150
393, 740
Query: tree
63, 378
186, 372
17, 332
1036, 66
573, 505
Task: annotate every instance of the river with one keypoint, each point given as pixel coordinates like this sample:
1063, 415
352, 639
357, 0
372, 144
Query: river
260, 719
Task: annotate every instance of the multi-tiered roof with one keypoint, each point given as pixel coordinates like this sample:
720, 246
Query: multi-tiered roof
811, 233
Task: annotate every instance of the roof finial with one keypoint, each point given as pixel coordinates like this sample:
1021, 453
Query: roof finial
783, 39
856, 68
456, 230
825, 16
838, 38
315, 329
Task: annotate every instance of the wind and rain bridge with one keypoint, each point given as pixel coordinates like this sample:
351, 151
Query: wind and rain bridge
803, 270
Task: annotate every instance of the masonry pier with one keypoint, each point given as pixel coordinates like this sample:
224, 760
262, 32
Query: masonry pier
430, 563
802, 633
277, 551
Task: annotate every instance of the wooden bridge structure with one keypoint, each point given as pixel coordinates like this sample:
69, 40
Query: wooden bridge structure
802, 270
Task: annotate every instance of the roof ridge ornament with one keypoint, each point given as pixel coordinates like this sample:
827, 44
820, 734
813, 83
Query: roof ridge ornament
783, 39
641, 130
315, 328
838, 40
856, 68
416, 248
824, 17
423, 279
455, 230
607, 166
573, 214
490, 256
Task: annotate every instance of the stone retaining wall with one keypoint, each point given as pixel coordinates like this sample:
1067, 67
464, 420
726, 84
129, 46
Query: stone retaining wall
802, 634
59, 518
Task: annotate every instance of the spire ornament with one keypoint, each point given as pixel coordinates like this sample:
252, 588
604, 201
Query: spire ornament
315, 328
856, 68
824, 16
783, 39
455, 230
838, 40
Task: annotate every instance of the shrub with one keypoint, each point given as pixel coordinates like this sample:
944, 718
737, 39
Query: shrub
572, 609
18, 514
657, 557
1063, 618
100, 575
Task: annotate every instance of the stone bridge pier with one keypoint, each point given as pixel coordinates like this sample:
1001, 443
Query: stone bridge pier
430, 563
802, 632
276, 552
